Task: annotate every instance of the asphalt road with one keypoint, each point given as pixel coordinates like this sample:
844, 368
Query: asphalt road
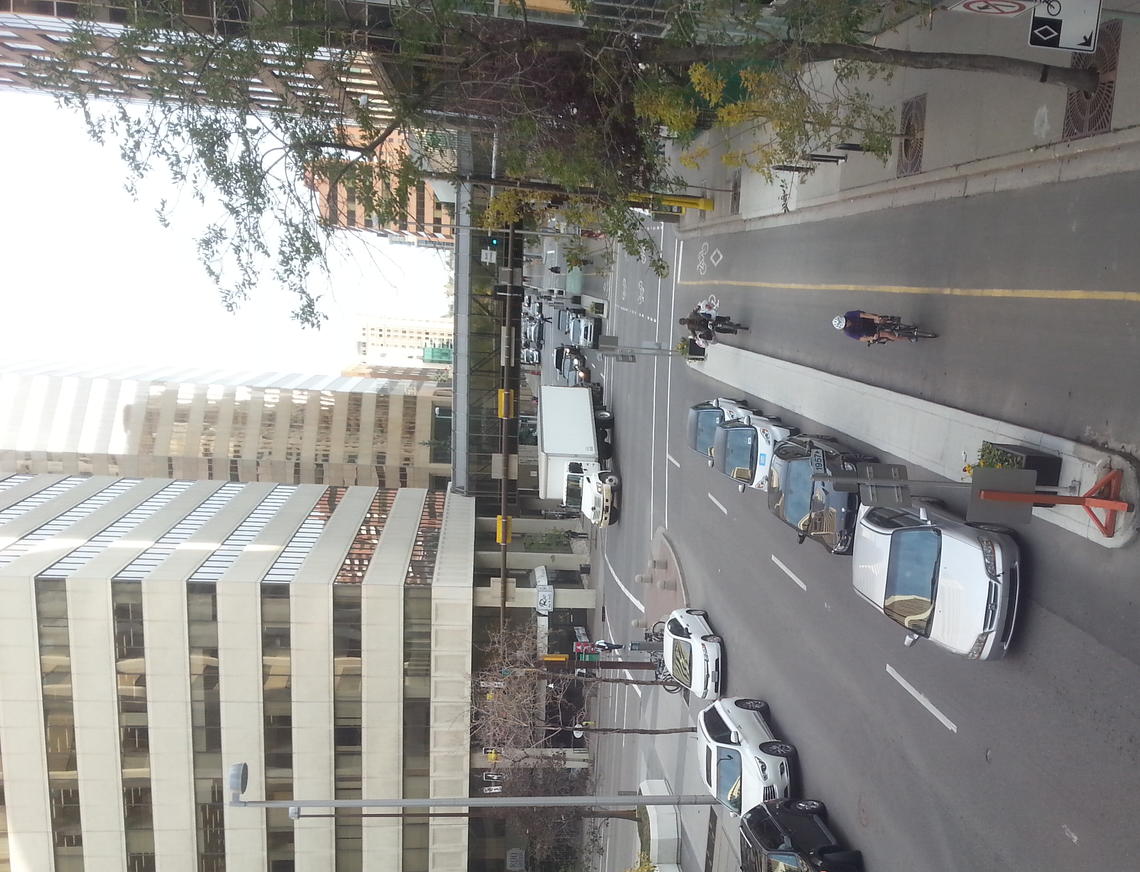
926, 761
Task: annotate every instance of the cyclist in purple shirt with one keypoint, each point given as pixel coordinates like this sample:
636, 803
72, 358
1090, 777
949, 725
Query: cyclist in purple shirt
864, 326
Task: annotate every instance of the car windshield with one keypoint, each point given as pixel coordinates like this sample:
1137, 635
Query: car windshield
728, 777
574, 490
784, 861
739, 459
703, 429
682, 664
912, 577
795, 492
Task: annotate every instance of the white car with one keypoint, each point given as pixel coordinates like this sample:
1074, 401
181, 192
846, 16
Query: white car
939, 578
693, 652
742, 763
742, 448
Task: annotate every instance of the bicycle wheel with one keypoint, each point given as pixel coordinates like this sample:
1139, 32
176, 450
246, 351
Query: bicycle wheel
656, 633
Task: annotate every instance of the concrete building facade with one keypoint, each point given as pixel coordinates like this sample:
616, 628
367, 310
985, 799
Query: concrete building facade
395, 341
156, 631
217, 425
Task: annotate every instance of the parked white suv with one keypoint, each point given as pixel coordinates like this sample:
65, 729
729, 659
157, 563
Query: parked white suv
742, 763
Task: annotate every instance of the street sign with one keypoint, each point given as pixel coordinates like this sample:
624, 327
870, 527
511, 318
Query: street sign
1068, 25
993, 7
1021, 481
544, 599
891, 492
489, 256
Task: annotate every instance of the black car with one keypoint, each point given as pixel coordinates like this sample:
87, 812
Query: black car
815, 509
791, 835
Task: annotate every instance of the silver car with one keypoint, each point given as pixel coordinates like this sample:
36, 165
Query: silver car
743, 448
704, 417
742, 762
939, 578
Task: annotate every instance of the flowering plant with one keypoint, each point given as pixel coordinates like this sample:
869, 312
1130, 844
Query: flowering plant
992, 457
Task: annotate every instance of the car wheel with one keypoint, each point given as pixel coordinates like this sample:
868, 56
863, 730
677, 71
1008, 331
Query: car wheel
712, 638
699, 613
603, 415
841, 859
809, 806
779, 749
611, 480
754, 705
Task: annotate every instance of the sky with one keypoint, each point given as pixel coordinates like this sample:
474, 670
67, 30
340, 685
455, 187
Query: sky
89, 275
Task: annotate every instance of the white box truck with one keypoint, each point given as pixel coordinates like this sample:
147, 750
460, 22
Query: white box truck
573, 462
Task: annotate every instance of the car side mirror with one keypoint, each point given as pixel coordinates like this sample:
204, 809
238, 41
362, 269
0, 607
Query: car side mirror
711, 463
801, 537
742, 488
910, 639
733, 737
922, 515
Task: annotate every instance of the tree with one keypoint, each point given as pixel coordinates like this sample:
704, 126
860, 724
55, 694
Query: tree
287, 97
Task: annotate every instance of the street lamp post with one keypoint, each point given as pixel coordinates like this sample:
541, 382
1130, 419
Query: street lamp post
239, 779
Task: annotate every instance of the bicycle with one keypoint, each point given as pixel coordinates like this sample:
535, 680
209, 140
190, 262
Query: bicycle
656, 633
893, 324
661, 673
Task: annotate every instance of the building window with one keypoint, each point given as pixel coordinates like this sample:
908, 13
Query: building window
277, 705
347, 723
134, 736
59, 725
206, 724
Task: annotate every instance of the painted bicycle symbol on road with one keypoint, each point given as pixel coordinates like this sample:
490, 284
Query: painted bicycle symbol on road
640, 292
702, 264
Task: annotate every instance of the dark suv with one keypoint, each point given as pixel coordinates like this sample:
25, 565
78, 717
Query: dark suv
791, 835
815, 509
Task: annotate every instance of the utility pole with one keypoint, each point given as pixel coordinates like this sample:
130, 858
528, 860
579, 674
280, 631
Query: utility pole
238, 780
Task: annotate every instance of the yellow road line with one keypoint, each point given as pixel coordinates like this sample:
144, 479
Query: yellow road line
1022, 293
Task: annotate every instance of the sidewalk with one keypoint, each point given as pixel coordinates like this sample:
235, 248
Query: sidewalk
977, 132
926, 434
686, 836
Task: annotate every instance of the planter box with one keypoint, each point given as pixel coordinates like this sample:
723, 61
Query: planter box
694, 352
1046, 465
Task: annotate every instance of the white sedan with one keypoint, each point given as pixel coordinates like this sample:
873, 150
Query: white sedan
742, 763
693, 652
939, 578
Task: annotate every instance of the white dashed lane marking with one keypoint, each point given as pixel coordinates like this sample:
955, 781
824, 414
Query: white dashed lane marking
926, 703
788, 572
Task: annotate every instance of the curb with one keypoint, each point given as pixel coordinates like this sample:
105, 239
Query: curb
1102, 155
927, 434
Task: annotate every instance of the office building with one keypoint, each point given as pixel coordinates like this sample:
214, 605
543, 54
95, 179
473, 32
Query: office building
395, 341
219, 425
155, 631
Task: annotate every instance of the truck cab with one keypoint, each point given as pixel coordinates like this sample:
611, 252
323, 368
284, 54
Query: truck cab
594, 491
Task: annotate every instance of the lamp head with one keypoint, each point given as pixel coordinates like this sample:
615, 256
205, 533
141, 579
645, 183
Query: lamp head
238, 780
